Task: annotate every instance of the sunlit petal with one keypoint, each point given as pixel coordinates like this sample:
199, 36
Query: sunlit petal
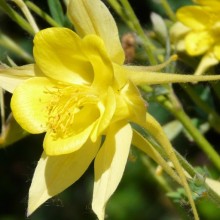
10, 78
107, 111
54, 174
94, 50
177, 31
110, 165
215, 4
136, 105
58, 146
29, 103
194, 17
198, 42
58, 53
93, 17
208, 60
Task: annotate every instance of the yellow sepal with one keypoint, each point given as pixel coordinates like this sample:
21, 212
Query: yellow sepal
109, 165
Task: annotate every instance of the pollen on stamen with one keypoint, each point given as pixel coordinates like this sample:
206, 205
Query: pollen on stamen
65, 102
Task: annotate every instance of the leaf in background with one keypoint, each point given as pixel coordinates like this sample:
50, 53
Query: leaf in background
12, 133
56, 11
16, 17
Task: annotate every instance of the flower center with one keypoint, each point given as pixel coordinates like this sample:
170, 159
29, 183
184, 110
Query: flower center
65, 107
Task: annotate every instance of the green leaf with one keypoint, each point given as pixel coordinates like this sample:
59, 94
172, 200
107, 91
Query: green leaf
56, 11
12, 133
15, 17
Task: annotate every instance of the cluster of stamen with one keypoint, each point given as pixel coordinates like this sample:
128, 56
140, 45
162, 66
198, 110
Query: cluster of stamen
65, 102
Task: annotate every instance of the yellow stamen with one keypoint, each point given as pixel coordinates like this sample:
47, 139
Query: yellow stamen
66, 102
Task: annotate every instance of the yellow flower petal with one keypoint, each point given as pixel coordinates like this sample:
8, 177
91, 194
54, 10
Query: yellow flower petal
214, 4
130, 104
194, 17
94, 50
10, 78
180, 46
107, 110
29, 103
136, 105
109, 165
216, 50
11, 133
178, 31
64, 145
54, 174
207, 61
93, 17
198, 42
58, 53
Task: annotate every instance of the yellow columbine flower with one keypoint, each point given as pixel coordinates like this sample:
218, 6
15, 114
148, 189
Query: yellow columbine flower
76, 100
198, 32
76, 97
79, 91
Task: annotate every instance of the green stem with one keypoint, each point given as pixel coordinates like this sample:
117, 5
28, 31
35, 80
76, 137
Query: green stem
187, 167
193, 131
156, 131
192, 172
42, 14
23, 7
148, 46
179, 113
163, 183
11, 45
216, 88
198, 137
16, 17
118, 9
158, 178
168, 10
192, 94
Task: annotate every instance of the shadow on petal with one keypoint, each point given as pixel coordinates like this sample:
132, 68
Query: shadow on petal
54, 174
